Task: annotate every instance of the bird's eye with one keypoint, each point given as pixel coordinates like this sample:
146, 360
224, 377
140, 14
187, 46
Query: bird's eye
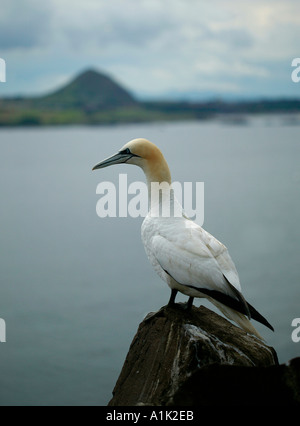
125, 151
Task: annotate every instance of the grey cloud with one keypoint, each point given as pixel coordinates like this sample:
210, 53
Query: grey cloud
23, 24
236, 38
121, 27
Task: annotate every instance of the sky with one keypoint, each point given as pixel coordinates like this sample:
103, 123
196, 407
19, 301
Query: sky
154, 48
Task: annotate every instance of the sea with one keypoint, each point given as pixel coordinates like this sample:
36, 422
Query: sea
75, 286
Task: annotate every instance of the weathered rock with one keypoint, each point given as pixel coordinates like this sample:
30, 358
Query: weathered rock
196, 358
227, 385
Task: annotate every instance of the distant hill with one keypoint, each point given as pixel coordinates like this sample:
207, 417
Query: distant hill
95, 98
90, 91
90, 98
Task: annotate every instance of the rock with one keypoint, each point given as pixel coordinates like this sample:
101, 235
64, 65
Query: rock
199, 358
241, 386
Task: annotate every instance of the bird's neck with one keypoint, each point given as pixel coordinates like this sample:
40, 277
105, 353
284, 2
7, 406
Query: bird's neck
162, 201
158, 175
157, 171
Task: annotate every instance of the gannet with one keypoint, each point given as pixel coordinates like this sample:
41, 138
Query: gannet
185, 256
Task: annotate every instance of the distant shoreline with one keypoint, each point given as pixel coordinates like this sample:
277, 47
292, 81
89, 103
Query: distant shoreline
242, 119
93, 98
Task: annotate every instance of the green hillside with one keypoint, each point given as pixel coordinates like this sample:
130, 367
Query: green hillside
90, 91
90, 98
95, 98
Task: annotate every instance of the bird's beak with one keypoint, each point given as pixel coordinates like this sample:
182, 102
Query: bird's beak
114, 159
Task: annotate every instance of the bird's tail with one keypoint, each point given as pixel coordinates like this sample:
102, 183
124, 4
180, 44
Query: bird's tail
238, 318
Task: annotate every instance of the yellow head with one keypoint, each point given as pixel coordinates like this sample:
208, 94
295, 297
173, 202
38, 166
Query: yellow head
144, 154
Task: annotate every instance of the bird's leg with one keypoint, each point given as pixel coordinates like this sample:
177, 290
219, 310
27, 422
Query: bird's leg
189, 303
173, 297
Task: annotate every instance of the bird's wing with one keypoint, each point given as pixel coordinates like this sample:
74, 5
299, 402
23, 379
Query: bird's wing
221, 255
193, 265
190, 261
192, 241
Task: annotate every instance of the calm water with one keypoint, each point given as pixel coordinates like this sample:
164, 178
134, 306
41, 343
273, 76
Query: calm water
74, 287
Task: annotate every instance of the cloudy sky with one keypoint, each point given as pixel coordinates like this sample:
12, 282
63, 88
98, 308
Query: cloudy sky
153, 47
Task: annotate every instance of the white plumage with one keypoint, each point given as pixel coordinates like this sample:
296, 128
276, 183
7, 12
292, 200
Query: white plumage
190, 255
184, 255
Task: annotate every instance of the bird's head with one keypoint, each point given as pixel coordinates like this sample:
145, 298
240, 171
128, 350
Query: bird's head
144, 154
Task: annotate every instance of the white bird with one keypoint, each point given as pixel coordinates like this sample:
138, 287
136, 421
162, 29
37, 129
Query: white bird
183, 254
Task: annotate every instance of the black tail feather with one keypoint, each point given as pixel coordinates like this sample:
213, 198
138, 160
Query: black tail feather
235, 304
239, 304
258, 317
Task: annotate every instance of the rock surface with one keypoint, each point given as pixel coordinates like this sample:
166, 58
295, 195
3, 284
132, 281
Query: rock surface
199, 358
